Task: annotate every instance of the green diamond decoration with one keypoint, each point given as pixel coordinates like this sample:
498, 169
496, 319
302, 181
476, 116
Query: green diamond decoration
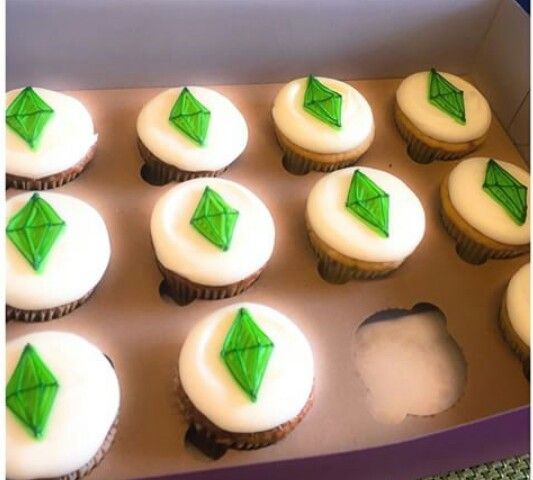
27, 116
322, 102
369, 203
246, 352
446, 97
34, 229
190, 117
31, 391
507, 191
215, 219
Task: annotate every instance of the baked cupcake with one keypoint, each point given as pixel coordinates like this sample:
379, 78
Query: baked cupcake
362, 223
57, 250
189, 132
50, 138
485, 208
245, 377
440, 116
514, 313
62, 406
212, 239
321, 124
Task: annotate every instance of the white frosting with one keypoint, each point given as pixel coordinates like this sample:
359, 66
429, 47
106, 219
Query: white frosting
75, 264
412, 98
347, 234
226, 139
517, 301
479, 209
307, 131
286, 386
85, 407
65, 140
182, 249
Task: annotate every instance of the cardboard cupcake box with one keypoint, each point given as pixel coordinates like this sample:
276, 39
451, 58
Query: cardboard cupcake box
247, 50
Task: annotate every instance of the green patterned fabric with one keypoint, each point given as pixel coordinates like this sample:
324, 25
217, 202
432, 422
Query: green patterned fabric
515, 468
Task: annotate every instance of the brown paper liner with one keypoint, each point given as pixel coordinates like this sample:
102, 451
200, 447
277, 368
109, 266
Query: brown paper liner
51, 181
299, 161
424, 149
471, 245
518, 346
184, 291
157, 172
334, 267
94, 461
238, 441
46, 314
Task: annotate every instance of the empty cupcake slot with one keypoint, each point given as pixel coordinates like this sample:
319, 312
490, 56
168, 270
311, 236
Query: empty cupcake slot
147, 175
296, 166
470, 255
409, 363
166, 294
203, 442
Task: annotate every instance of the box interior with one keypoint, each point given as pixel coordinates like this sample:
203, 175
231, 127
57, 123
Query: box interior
142, 332
261, 42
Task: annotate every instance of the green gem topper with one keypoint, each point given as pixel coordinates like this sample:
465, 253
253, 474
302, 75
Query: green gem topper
190, 117
215, 219
31, 391
34, 230
27, 116
246, 352
369, 203
446, 97
322, 102
507, 191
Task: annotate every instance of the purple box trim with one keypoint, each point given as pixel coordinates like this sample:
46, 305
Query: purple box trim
481, 441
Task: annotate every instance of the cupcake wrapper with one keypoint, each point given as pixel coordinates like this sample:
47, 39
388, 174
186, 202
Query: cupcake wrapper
157, 172
295, 160
96, 460
333, 271
209, 432
22, 183
300, 165
44, 315
517, 345
421, 152
470, 250
51, 181
203, 442
184, 291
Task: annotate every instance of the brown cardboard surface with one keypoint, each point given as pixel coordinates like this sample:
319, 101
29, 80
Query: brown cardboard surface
142, 333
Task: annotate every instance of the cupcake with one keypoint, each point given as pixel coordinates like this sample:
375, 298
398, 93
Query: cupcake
189, 132
62, 405
362, 223
212, 239
57, 250
50, 138
440, 116
321, 124
245, 377
485, 208
514, 313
